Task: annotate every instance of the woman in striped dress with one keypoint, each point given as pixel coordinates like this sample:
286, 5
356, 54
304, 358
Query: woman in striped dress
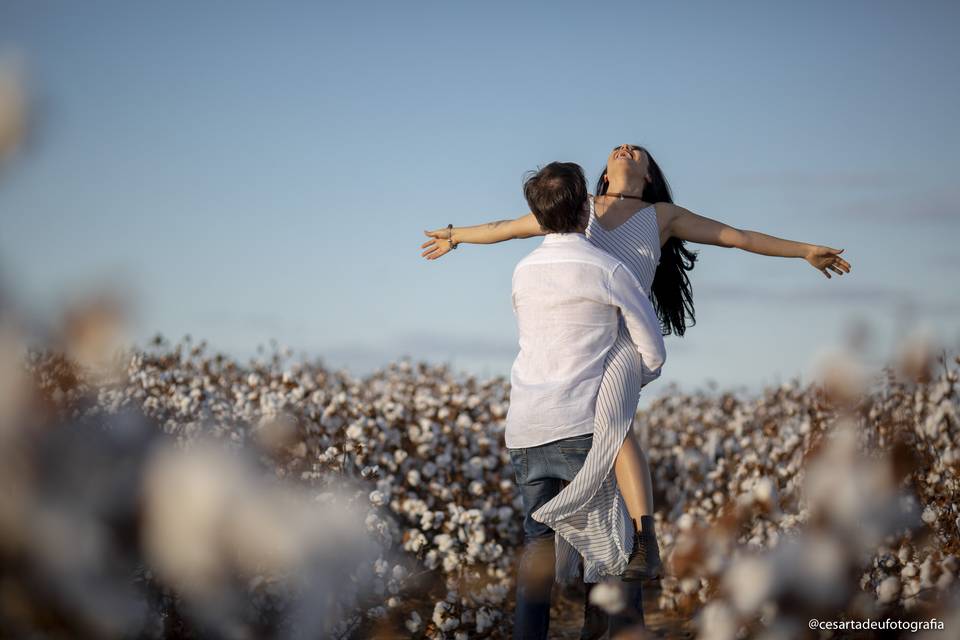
633, 218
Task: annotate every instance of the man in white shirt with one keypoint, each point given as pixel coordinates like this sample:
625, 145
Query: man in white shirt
568, 296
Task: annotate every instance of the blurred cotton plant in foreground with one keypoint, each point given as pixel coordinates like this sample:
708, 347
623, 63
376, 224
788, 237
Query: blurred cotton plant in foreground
850, 503
803, 501
111, 527
215, 530
834, 501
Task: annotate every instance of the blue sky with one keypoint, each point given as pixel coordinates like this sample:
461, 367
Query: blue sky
254, 171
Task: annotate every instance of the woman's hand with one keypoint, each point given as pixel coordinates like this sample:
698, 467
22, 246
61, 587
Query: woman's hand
438, 245
826, 259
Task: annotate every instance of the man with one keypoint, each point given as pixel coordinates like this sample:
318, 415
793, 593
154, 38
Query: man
568, 296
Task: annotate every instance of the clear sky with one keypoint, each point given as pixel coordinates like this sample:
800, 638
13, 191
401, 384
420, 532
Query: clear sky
264, 170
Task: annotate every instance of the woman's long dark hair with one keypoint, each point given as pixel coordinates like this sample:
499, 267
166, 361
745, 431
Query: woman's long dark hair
671, 294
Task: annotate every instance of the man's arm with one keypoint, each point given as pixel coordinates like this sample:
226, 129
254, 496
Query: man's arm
641, 320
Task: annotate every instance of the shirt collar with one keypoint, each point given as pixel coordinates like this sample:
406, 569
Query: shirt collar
559, 238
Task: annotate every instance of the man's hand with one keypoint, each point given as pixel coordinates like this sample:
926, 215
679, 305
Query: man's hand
826, 259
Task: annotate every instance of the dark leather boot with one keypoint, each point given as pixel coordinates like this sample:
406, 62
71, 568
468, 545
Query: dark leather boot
645, 561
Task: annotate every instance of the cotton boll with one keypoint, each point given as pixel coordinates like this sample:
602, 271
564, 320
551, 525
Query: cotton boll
842, 377
717, 621
928, 573
485, 619
765, 493
186, 495
450, 562
903, 554
443, 542
413, 478
689, 586
414, 542
355, 431
750, 581
609, 596
444, 617
889, 590
414, 623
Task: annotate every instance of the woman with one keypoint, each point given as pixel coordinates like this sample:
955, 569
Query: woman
633, 218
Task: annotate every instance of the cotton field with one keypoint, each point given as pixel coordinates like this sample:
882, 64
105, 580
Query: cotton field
173, 492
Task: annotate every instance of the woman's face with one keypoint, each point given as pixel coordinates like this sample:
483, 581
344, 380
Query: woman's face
629, 160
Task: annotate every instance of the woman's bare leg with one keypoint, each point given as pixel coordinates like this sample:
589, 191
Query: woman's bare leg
633, 477
636, 485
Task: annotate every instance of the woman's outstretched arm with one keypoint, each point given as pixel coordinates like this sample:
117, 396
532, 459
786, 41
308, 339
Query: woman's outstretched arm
489, 233
686, 225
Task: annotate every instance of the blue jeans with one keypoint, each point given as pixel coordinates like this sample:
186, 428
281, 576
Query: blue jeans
541, 473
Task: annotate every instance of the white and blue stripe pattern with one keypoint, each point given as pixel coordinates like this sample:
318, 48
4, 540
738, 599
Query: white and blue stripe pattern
589, 515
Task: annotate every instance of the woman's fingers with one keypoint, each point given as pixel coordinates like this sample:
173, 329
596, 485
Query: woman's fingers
434, 253
428, 243
840, 263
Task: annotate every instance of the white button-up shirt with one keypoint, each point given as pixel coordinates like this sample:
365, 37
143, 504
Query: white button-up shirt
568, 296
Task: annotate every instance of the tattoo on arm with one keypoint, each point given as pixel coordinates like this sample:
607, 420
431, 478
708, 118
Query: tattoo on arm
498, 223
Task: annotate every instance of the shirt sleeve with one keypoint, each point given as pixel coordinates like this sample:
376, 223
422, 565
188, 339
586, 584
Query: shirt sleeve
628, 295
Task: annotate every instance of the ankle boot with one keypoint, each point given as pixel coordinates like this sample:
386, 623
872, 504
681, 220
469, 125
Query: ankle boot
645, 561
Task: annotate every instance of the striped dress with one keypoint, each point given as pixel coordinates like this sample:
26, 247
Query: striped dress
589, 515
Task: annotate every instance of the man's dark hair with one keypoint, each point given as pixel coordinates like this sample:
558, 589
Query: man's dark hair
557, 195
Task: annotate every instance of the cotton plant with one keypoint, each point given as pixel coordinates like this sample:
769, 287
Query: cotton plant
747, 489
